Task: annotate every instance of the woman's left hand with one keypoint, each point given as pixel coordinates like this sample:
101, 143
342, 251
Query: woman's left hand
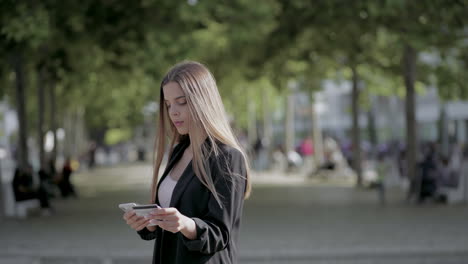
170, 219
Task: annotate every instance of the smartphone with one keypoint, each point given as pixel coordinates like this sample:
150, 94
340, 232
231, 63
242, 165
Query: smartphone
127, 206
145, 209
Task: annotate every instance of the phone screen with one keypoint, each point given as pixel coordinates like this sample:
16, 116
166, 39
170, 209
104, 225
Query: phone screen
149, 206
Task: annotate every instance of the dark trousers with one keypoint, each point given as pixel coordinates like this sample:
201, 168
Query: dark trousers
66, 188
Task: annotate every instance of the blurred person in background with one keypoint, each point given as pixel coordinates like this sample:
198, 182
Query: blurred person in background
429, 172
23, 188
451, 181
92, 154
66, 187
464, 174
206, 180
46, 180
383, 170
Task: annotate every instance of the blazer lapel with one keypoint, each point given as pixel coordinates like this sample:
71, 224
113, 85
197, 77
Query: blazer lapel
182, 184
175, 157
185, 179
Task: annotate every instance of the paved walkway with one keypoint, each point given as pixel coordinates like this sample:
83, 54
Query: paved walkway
287, 220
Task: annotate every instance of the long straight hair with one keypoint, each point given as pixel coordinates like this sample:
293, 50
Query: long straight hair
208, 118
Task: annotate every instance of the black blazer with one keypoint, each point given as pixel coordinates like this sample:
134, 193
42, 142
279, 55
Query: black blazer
217, 227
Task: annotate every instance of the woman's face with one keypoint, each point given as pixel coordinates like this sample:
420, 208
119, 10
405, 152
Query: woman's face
176, 104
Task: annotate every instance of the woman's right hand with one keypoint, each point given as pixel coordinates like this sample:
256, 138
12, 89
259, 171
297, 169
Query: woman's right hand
137, 222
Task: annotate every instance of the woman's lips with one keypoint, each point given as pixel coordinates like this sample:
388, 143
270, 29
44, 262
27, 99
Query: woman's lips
178, 123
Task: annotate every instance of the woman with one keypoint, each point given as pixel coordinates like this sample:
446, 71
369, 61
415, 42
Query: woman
206, 180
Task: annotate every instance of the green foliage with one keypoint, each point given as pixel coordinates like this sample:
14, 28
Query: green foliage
448, 73
108, 57
116, 135
26, 24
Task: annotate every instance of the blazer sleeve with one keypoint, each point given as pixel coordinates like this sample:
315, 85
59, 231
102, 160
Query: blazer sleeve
145, 234
214, 228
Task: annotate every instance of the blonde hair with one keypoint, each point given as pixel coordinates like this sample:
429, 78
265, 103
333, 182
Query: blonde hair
207, 113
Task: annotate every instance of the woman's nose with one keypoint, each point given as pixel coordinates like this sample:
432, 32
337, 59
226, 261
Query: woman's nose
173, 111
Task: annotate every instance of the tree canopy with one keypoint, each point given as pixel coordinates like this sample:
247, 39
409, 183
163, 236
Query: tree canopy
108, 57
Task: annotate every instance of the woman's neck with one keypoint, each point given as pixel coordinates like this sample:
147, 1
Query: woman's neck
197, 138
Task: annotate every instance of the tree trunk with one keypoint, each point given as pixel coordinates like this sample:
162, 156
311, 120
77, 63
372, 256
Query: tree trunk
443, 131
69, 125
81, 135
267, 127
356, 133
409, 71
316, 134
289, 123
41, 111
22, 150
371, 127
53, 118
74, 143
461, 131
252, 125
2, 199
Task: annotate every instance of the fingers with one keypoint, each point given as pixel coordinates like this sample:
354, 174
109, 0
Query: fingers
134, 221
164, 214
164, 211
143, 225
139, 224
168, 219
127, 215
164, 217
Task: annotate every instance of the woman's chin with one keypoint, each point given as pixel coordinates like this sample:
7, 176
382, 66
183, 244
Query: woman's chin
182, 132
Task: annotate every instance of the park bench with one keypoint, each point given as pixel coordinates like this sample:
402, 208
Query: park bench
455, 192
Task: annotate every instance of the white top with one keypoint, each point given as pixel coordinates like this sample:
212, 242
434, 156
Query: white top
165, 191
